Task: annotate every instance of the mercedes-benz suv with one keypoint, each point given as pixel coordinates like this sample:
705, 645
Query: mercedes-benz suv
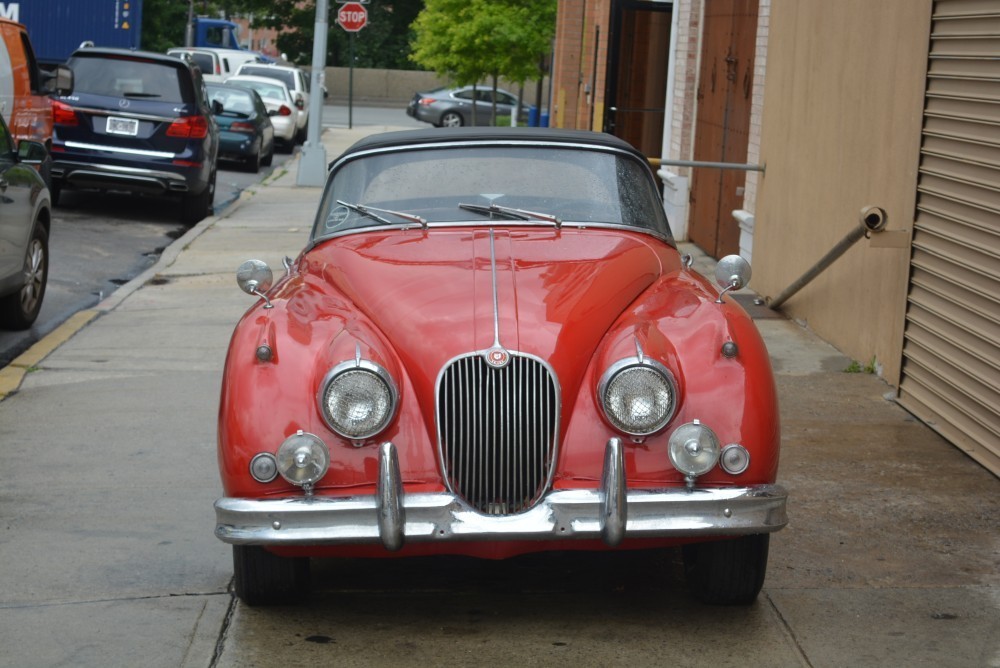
137, 122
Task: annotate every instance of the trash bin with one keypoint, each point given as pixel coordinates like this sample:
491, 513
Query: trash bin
532, 117
544, 122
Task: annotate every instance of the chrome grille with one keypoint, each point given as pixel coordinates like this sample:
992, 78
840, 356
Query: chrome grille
497, 431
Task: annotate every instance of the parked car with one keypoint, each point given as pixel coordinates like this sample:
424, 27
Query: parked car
297, 83
452, 107
280, 107
246, 134
216, 64
25, 219
137, 122
491, 346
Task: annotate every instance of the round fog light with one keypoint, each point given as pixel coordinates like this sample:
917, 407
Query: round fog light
694, 449
734, 459
263, 467
303, 459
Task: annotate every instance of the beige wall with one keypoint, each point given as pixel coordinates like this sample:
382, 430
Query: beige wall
840, 131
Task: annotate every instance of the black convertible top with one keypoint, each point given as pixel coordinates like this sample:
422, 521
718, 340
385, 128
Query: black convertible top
486, 135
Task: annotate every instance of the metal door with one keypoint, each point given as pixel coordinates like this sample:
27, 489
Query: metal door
636, 91
722, 124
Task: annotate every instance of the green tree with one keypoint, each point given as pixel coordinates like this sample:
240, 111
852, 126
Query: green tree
470, 41
164, 23
382, 43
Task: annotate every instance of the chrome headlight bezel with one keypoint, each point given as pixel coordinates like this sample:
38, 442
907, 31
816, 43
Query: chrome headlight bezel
631, 365
389, 395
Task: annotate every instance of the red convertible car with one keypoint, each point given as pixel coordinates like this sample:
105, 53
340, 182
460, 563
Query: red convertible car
491, 346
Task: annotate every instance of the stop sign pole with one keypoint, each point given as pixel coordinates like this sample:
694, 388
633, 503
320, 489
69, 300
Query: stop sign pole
352, 17
312, 165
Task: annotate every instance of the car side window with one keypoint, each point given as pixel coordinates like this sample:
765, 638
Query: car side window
503, 98
464, 94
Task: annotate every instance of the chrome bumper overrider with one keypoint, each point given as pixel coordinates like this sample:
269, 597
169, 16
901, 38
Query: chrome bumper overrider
611, 512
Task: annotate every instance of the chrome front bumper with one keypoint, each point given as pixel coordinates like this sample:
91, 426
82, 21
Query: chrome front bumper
611, 512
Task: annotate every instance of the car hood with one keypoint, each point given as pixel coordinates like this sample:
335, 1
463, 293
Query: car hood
438, 294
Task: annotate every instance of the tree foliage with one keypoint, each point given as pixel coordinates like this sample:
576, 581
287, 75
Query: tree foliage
469, 41
382, 43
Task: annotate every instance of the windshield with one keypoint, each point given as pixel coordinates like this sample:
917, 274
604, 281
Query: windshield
577, 186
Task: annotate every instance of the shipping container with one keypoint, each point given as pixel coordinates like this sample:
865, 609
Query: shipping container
58, 27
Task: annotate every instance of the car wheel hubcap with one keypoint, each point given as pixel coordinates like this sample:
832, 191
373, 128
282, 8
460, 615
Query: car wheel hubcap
34, 276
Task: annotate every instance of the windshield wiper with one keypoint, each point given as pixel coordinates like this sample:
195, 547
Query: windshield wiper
370, 212
510, 212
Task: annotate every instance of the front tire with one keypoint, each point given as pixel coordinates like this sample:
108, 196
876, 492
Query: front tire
263, 578
727, 572
20, 309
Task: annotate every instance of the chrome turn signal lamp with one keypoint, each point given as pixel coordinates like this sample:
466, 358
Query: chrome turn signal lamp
303, 459
694, 450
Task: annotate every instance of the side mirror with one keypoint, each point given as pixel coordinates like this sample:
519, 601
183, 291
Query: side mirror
31, 152
217, 107
255, 278
732, 273
57, 80
299, 102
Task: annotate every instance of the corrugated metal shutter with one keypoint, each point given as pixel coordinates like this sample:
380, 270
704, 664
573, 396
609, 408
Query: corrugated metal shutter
951, 351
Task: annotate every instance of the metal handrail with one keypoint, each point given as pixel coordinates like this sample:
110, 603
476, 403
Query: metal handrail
660, 162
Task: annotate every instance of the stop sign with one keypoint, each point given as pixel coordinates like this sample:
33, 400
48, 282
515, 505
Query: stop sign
352, 16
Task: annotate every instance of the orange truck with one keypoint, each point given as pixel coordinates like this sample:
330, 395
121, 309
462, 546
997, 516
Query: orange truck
25, 88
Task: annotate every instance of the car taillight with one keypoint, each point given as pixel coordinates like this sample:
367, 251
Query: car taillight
239, 126
284, 111
63, 114
427, 101
189, 127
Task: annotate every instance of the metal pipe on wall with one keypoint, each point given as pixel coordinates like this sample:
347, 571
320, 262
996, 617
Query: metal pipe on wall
873, 220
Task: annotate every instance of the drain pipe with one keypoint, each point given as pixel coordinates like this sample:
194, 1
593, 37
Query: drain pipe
873, 220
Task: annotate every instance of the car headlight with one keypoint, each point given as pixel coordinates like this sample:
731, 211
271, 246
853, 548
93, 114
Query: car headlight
638, 396
303, 459
358, 399
694, 449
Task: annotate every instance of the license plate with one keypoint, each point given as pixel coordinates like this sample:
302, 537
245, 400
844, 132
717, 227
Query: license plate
122, 126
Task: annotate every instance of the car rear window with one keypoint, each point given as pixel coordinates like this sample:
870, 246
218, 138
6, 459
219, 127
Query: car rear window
234, 102
123, 77
267, 91
286, 77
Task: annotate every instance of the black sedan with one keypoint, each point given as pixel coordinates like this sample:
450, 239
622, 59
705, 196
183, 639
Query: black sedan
246, 134
453, 107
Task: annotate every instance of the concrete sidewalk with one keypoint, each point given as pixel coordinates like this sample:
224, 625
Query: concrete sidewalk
108, 475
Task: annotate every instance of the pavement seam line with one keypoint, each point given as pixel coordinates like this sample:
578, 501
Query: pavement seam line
789, 632
12, 375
